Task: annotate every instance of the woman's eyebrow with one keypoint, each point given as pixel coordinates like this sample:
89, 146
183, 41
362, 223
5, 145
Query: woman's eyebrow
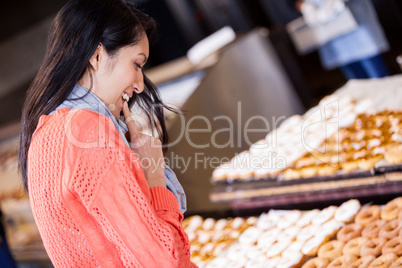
145, 57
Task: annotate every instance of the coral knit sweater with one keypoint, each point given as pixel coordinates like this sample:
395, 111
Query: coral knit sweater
91, 201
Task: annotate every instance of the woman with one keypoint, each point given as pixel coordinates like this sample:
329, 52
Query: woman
96, 201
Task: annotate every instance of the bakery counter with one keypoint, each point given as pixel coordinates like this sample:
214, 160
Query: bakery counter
274, 194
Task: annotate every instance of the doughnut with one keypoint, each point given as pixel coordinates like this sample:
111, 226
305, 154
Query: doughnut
316, 263
221, 224
354, 246
397, 263
390, 229
265, 222
277, 248
342, 261
307, 217
324, 215
290, 261
294, 247
393, 154
312, 245
372, 230
208, 224
193, 222
288, 219
384, 260
373, 247
331, 250
289, 233
347, 211
368, 215
250, 235
267, 238
393, 246
392, 209
236, 251
307, 232
369, 162
349, 232
330, 228
363, 262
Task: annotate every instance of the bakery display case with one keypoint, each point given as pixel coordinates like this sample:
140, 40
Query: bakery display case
349, 235
348, 146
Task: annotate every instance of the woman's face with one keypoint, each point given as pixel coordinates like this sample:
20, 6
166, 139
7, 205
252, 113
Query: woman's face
120, 74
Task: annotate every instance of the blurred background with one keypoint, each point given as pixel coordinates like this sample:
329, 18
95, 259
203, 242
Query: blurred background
262, 48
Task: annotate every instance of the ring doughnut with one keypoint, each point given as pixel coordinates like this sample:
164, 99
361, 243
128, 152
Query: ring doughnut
316, 263
372, 230
368, 215
324, 215
390, 229
349, 232
250, 236
391, 209
307, 232
393, 246
347, 211
354, 246
384, 260
331, 250
342, 261
373, 247
397, 263
363, 262
305, 220
312, 245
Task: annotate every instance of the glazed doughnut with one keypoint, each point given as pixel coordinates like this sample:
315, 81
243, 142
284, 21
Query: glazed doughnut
289, 233
268, 237
293, 248
354, 246
250, 235
393, 246
384, 260
343, 261
363, 262
288, 219
373, 247
277, 248
368, 214
347, 211
331, 250
307, 232
390, 229
312, 245
397, 263
372, 230
392, 209
316, 263
349, 232
291, 261
324, 215
307, 217
330, 228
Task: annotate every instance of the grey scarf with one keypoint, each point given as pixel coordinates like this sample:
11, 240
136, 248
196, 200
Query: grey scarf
81, 98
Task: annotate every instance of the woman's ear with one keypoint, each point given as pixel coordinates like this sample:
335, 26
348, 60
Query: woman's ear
97, 57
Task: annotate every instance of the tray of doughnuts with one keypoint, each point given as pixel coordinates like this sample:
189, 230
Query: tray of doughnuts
371, 144
348, 235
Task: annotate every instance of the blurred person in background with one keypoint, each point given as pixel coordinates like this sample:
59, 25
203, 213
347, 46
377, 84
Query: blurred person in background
357, 53
100, 192
6, 259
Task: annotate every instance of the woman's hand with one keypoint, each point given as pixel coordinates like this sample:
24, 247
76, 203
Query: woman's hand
148, 150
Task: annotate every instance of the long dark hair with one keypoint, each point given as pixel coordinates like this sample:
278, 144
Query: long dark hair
75, 34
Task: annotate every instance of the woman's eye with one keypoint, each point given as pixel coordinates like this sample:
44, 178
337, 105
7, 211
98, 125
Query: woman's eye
138, 66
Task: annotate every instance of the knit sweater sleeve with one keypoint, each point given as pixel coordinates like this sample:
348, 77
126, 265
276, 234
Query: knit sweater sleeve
144, 224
